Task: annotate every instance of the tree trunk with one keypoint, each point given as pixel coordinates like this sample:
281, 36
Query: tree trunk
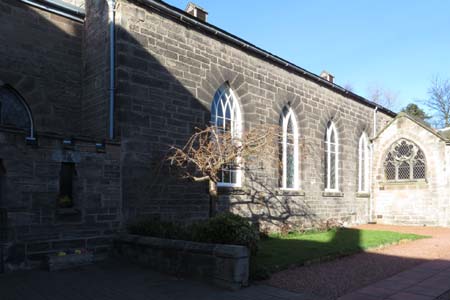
213, 196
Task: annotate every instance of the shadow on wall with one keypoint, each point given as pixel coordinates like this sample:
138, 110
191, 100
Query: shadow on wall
157, 108
155, 112
40, 57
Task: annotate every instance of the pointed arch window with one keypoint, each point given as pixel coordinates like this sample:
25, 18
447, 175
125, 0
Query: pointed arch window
363, 163
404, 161
289, 150
331, 158
14, 111
226, 116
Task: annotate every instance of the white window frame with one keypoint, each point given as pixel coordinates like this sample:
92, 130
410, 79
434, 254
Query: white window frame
285, 121
225, 97
330, 129
363, 163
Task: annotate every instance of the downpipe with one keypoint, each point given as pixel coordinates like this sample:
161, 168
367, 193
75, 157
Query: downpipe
112, 74
372, 151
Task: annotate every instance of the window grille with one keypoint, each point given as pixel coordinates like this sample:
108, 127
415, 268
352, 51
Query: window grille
289, 150
226, 116
404, 161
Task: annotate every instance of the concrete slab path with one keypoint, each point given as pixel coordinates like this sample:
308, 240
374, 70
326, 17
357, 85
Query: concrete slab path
121, 281
427, 281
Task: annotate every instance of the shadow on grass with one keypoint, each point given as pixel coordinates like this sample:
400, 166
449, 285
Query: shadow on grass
279, 252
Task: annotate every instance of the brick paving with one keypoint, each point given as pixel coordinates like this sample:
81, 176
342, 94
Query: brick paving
121, 281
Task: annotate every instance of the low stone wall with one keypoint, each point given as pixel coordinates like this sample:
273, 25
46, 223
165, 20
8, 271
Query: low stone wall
222, 265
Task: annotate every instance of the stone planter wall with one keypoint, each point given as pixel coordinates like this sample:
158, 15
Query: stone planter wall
223, 265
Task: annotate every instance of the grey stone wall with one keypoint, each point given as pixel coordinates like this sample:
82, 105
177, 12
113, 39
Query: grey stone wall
95, 79
57, 65
412, 202
40, 56
223, 265
30, 189
168, 74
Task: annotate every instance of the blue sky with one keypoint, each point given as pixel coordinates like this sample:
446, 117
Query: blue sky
397, 45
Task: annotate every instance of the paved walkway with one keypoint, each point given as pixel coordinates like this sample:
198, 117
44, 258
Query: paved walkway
116, 281
340, 277
424, 282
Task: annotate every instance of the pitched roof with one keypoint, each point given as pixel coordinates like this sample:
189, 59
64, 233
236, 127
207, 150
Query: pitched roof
439, 134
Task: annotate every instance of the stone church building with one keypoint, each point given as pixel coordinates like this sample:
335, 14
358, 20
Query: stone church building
94, 92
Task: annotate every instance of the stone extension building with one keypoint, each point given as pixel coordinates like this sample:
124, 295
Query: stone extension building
93, 93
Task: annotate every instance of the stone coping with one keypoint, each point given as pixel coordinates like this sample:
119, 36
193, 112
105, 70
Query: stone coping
220, 250
332, 194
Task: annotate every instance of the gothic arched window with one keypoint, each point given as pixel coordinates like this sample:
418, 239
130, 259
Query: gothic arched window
289, 150
226, 116
331, 158
363, 163
404, 161
14, 112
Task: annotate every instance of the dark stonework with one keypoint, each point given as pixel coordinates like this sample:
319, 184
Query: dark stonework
31, 187
40, 57
167, 74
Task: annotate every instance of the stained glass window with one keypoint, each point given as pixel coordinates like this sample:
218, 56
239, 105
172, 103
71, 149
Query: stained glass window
404, 161
14, 112
363, 165
289, 150
331, 158
226, 116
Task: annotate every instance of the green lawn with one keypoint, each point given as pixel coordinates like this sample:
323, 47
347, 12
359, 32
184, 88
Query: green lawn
278, 252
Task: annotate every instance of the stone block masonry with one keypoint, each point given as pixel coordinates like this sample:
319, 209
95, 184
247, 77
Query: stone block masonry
40, 57
168, 72
223, 265
30, 188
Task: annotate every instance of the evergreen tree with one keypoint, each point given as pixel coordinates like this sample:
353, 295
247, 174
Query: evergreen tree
415, 111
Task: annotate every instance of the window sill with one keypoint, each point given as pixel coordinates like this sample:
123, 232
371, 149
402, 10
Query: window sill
332, 194
67, 211
405, 182
228, 185
68, 216
290, 192
363, 195
230, 190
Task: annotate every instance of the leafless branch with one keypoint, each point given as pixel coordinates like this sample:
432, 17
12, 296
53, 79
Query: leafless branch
208, 150
439, 100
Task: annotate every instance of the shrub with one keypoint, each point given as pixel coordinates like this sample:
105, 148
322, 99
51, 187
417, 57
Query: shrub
224, 228
227, 228
157, 228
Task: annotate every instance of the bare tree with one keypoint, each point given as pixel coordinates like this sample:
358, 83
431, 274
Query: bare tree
382, 96
439, 101
209, 151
